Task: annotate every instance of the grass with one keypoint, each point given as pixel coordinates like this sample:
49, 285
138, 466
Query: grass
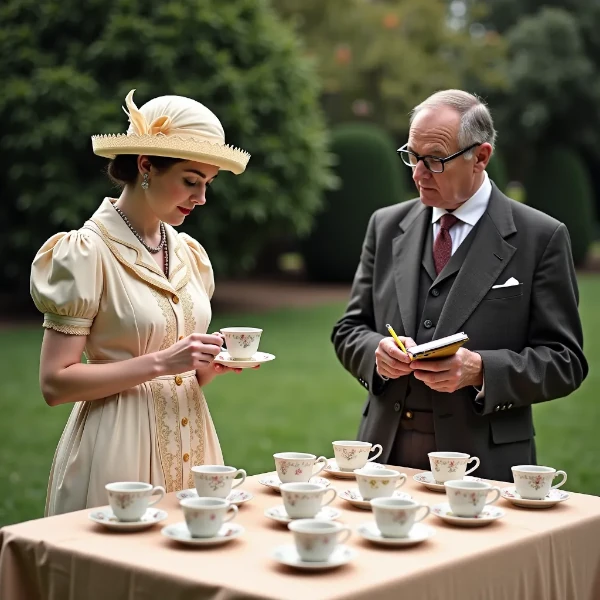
301, 402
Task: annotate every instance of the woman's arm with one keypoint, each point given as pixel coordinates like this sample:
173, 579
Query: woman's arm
64, 378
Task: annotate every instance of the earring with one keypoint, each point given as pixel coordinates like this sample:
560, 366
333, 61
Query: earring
145, 181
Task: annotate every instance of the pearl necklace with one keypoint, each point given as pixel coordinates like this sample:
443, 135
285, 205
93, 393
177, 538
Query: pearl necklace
153, 250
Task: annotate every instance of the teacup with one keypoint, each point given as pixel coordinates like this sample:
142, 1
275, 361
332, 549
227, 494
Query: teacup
129, 500
448, 466
354, 455
216, 481
467, 498
395, 517
297, 466
315, 540
534, 483
305, 500
242, 342
378, 484
205, 516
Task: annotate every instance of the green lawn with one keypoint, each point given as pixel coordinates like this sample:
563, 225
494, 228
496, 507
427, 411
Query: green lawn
301, 402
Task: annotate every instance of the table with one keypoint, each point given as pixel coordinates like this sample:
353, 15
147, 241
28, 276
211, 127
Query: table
551, 554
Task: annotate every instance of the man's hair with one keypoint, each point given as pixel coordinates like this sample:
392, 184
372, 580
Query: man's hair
476, 124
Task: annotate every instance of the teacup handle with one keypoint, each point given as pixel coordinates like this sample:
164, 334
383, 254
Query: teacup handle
323, 462
231, 512
332, 497
401, 481
473, 458
157, 490
239, 481
376, 455
344, 538
497, 492
560, 483
427, 511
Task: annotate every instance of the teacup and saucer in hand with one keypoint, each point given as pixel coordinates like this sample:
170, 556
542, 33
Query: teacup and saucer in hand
242, 348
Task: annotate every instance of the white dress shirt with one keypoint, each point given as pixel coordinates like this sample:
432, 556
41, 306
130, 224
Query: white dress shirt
469, 213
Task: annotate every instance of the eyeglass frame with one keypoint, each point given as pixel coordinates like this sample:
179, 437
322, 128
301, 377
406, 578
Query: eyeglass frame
441, 160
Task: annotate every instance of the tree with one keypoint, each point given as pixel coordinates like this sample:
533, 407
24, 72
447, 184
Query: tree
378, 59
66, 68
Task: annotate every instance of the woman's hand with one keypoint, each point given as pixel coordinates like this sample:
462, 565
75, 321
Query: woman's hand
195, 352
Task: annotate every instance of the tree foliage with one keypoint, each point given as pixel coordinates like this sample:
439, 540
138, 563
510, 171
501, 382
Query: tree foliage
66, 67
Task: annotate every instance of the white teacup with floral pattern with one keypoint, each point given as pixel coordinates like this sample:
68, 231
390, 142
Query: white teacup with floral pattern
395, 517
354, 455
378, 483
297, 466
467, 498
305, 500
315, 540
129, 500
534, 483
216, 481
204, 516
448, 466
242, 342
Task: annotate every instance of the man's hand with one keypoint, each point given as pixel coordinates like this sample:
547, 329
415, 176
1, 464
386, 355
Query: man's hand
463, 369
390, 361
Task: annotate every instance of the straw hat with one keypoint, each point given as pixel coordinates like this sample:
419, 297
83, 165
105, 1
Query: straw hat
175, 127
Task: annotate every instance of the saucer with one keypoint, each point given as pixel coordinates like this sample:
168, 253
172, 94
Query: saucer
258, 358
488, 514
353, 496
273, 481
180, 533
552, 499
418, 533
278, 513
235, 497
287, 555
428, 481
333, 469
105, 516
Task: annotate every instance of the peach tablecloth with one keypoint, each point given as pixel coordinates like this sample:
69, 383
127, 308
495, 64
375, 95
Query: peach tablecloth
551, 554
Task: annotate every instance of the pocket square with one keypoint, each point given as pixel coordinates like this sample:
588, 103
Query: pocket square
509, 283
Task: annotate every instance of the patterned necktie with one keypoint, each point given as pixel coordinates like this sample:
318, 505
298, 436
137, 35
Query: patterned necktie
442, 246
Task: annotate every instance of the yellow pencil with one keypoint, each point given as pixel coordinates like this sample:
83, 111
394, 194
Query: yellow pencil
396, 338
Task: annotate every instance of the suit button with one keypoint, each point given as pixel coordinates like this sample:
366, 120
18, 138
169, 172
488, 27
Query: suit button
503, 407
510, 405
408, 414
435, 292
397, 406
178, 380
184, 421
497, 408
428, 324
186, 457
180, 337
175, 299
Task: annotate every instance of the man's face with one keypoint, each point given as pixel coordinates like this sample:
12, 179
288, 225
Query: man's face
434, 132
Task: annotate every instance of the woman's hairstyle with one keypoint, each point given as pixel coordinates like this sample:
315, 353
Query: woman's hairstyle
123, 169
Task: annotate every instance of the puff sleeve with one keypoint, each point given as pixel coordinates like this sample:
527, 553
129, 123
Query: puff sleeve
66, 282
201, 261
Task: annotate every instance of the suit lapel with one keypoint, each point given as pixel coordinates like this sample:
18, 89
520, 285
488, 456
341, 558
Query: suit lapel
406, 251
487, 257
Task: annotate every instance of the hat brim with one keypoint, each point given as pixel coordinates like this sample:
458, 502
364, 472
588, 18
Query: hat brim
223, 156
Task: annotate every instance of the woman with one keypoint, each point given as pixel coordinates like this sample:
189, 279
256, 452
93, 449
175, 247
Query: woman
134, 295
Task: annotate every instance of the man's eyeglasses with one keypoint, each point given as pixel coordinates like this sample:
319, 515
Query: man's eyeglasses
434, 163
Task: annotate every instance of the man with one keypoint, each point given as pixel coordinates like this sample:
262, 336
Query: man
461, 257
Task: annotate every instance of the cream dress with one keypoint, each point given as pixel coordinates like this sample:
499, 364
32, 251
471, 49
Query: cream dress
101, 282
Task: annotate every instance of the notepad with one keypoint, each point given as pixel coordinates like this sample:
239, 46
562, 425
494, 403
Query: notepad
441, 348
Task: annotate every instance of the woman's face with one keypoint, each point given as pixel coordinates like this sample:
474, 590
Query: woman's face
173, 193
